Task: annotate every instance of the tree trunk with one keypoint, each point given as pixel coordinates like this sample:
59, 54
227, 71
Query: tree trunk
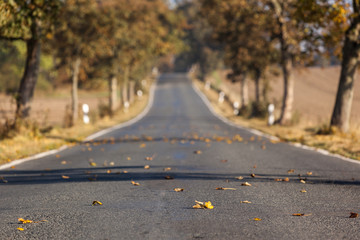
131, 91
125, 88
344, 97
288, 94
113, 96
244, 88
257, 86
74, 90
29, 79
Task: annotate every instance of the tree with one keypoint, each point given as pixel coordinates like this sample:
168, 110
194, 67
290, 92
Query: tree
30, 21
350, 62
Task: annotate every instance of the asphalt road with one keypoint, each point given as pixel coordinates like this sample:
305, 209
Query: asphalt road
179, 132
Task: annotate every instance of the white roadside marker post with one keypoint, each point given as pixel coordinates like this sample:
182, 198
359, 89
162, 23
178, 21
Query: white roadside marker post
271, 119
86, 110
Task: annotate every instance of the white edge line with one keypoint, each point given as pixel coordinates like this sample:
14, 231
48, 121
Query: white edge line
91, 137
256, 132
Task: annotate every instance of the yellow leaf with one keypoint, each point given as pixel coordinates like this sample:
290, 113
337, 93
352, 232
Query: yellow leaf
147, 167
302, 181
309, 173
135, 183
108, 171
20, 229
208, 205
301, 214
125, 171
252, 175
143, 145
245, 201
257, 219
303, 191
178, 189
24, 221
92, 164
167, 169
198, 206
128, 158
65, 177
97, 203
63, 162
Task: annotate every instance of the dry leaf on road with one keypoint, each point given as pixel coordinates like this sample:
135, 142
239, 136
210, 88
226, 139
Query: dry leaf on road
146, 167
301, 214
354, 215
240, 178
135, 183
20, 229
178, 189
96, 203
222, 188
169, 177
246, 201
197, 152
246, 184
203, 205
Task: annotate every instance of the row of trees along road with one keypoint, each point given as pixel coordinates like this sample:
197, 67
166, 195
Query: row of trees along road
117, 40
257, 34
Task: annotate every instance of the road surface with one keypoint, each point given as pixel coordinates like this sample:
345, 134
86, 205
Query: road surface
182, 140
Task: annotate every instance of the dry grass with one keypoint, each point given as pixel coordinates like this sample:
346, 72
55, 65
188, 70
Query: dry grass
31, 141
344, 144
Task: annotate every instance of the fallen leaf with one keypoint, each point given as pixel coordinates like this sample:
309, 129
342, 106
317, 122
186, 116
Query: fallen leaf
291, 171
65, 177
93, 164
224, 161
125, 171
240, 178
302, 181
96, 203
222, 188
149, 158
252, 175
89, 149
12, 167
301, 214
25, 221
246, 184
167, 169
108, 171
20, 229
309, 173
286, 179
354, 215
178, 189
135, 183
254, 166
57, 156
169, 177
257, 219
111, 163
128, 158
252, 138
203, 205
63, 162
303, 191
143, 145
197, 152
146, 167
246, 201
228, 141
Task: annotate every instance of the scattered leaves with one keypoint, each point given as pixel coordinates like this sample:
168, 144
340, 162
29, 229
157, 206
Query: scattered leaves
135, 183
25, 221
97, 203
353, 215
222, 188
178, 189
246, 184
203, 205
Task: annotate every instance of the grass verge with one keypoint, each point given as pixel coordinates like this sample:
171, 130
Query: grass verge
347, 145
32, 141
